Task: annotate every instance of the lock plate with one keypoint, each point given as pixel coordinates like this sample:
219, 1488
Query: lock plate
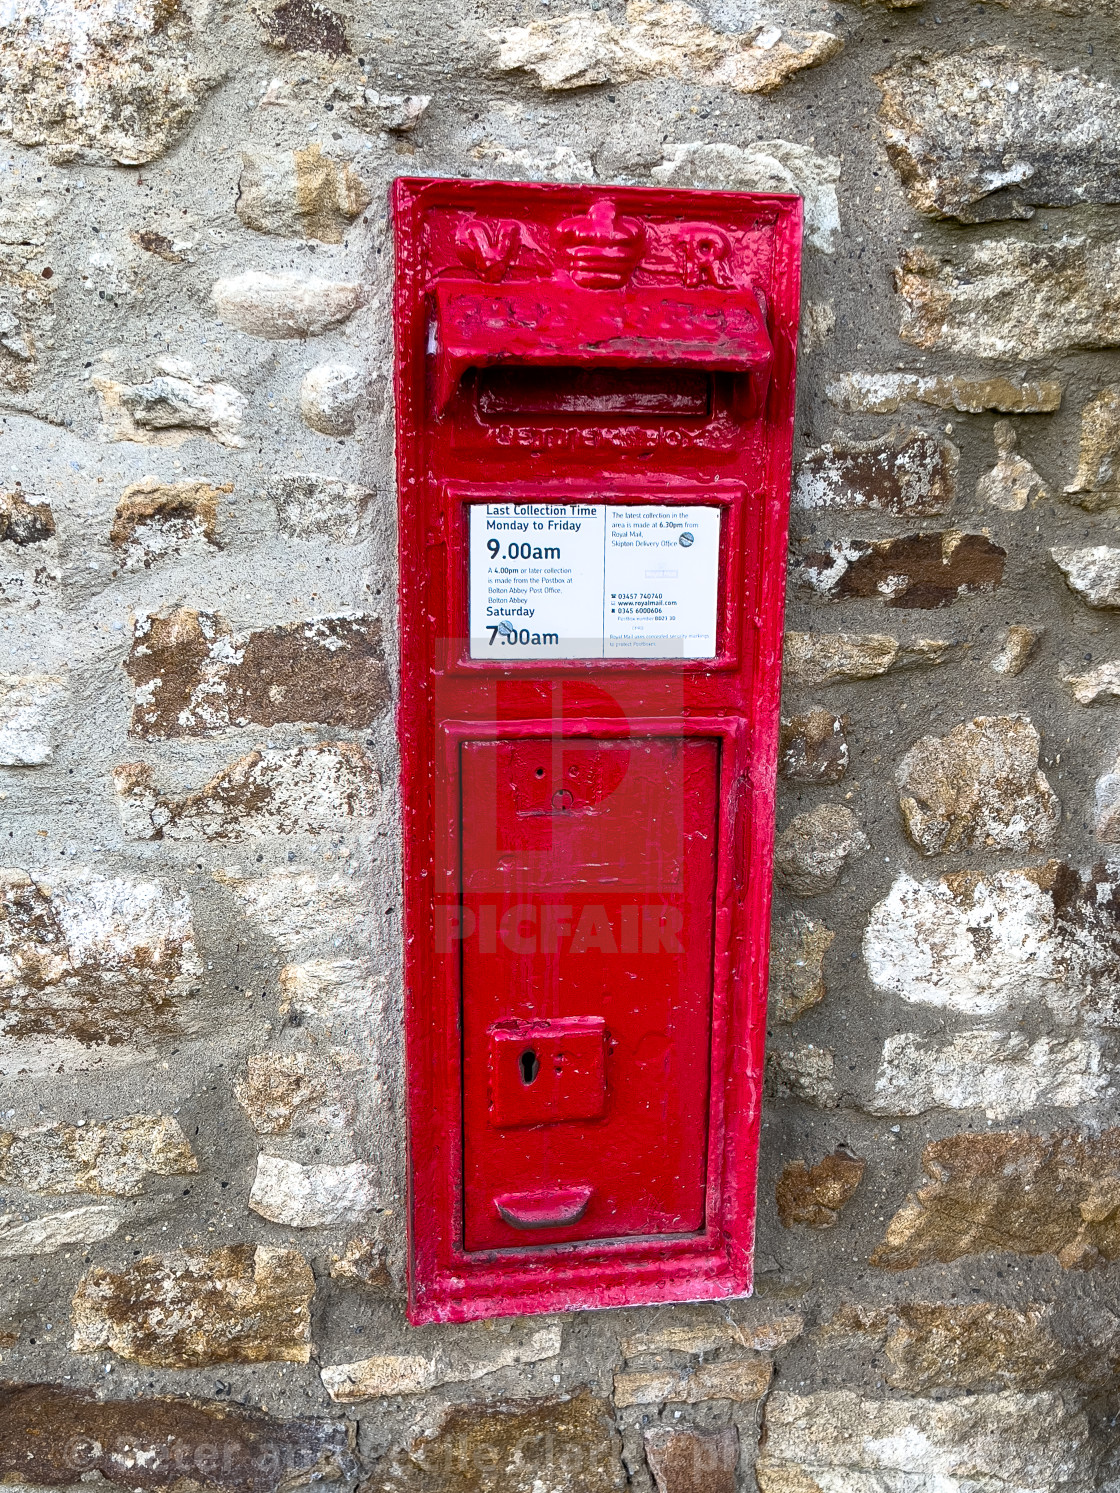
545, 1072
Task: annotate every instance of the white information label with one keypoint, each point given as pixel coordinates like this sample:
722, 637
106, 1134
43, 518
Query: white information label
593, 580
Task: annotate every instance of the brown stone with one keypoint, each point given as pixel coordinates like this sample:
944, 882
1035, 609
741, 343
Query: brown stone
834, 657
1020, 644
1097, 483
306, 26
921, 571
55, 1436
814, 747
692, 1461
363, 1263
797, 965
884, 393
978, 786
1011, 1191
305, 790
697, 1330
907, 472
814, 1195
1013, 298
194, 678
110, 1158
154, 518
241, 1304
931, 1345
1012, 484
561, 1445
122, 982
279, 1088
299, 194
24, 519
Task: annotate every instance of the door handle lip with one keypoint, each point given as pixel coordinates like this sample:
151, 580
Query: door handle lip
546, 1208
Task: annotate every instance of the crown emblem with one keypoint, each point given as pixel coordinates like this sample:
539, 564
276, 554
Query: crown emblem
602, 249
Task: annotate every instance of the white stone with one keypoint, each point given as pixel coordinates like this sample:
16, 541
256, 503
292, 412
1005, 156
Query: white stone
1003, 1073
284, 305
1101, 682
330, 990
297, 909
883, 393
74, 1227
330, 396
310, 1197
29, 718
110, 1157
836, 1441
459, 1361
525, 165
805, 1071
309, 506
1013, 483
657, 40
169, 409
767, 166
1107, 798
1093, 573
980, 945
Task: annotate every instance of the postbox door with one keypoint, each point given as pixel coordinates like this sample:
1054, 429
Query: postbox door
588, 881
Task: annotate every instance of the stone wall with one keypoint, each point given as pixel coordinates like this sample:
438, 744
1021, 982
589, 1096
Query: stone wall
201, 1134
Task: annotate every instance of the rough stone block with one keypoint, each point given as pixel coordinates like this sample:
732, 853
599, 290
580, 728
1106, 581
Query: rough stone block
568, 1444
834, 657
920, 571
242, 1304
815, 1195
659, 39
110, 1157
412, 1373
285, 304
1003, 1073
835, 1441
155, 518
279, 1088
1011, 298
804, 1071
120, 83
306, 790
1097, 483
1106, 794
736, 1379
310, 1197
305, 26
298, 910
814, 848
193, 677
70, 1228
1011, 1192
56, 1435
25, 519
104, 961
909, 473
1020, 644
1012, 484
327, 990
30, 707
299, 194
707, 1335
971, 394
994, 943
1092, 573
169, 408
685, 1460
988, 134
797, 965
331, 396
308, 505
767, 166
363, 1262
814, 747
978, 787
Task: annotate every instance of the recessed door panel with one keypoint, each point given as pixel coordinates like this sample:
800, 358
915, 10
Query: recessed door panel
588, 883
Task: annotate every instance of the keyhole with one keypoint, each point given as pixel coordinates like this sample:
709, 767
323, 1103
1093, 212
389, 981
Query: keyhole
540, 772
530, 1067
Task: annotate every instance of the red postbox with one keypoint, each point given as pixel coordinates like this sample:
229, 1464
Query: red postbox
594, 425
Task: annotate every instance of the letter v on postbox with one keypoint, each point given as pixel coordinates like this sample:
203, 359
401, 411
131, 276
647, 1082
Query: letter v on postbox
595, 393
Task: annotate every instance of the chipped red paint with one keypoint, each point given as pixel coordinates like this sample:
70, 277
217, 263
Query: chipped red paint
588, 841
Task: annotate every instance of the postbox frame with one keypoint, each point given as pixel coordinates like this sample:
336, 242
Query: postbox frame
446, 1283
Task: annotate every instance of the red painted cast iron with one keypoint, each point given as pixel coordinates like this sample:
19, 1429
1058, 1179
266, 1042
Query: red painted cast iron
588, 803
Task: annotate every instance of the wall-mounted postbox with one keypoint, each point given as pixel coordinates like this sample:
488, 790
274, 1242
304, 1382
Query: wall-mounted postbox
594, 425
